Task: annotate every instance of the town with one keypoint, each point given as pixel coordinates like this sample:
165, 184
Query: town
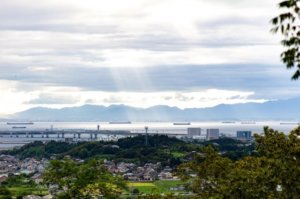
139, 159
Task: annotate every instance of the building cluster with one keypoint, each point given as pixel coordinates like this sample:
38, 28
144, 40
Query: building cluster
10, 165
214, 134
196, 133
134, 173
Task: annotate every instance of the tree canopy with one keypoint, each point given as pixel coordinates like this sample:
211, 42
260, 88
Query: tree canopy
82, 180
273, 173
287, 23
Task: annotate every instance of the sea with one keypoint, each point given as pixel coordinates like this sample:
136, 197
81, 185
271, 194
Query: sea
228, 128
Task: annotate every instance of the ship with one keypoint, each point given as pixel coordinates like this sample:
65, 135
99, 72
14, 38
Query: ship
19, 127
289, 123
248, 122
124, 122
228, 122
19, 123
181, 123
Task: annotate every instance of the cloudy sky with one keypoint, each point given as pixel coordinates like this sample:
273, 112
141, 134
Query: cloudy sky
184, 53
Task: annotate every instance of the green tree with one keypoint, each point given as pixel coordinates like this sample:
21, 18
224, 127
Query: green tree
273, 173
287, 23
84, 180
5, 193
283, 154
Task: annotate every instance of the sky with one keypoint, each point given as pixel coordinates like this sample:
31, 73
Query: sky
142, 53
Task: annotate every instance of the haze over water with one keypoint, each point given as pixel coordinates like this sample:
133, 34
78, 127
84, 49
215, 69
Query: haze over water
226, 128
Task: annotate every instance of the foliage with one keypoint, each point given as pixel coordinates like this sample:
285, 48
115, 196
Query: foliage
18, 180
131, 149
287, 23
166, 196
154, 141
273, 173
40, 150
82, 180
231, 148
135, 191
4, 192
283, 154
28, 190
19, 185
167, 150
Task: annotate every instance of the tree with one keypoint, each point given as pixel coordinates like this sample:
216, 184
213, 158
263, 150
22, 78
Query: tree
273, 173
283, 154
4, 193
287, 23
84, 180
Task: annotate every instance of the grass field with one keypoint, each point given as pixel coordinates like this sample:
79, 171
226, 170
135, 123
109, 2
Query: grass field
23, 190
178, 154
141, 184
161, 186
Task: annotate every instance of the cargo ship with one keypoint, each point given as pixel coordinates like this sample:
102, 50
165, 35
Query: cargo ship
19, 127
248, 122
19, 123
289, 123
181, 123
125, 122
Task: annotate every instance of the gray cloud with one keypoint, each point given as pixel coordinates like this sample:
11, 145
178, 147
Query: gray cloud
30, 16
181, 97
53, 99
236, 97
267, 81
52, 36
112, 100
30, 12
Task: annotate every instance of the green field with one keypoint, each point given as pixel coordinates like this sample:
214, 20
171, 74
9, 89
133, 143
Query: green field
178, 154
23, 190
161, 186
157, 187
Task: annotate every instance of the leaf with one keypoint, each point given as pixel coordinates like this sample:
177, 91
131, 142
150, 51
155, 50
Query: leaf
296, 75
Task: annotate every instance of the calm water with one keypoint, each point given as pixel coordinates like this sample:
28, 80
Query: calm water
154, 127
226, 128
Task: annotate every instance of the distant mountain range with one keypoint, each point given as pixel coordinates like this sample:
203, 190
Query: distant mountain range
272, 110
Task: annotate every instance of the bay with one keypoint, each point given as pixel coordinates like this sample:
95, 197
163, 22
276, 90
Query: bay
228, 128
